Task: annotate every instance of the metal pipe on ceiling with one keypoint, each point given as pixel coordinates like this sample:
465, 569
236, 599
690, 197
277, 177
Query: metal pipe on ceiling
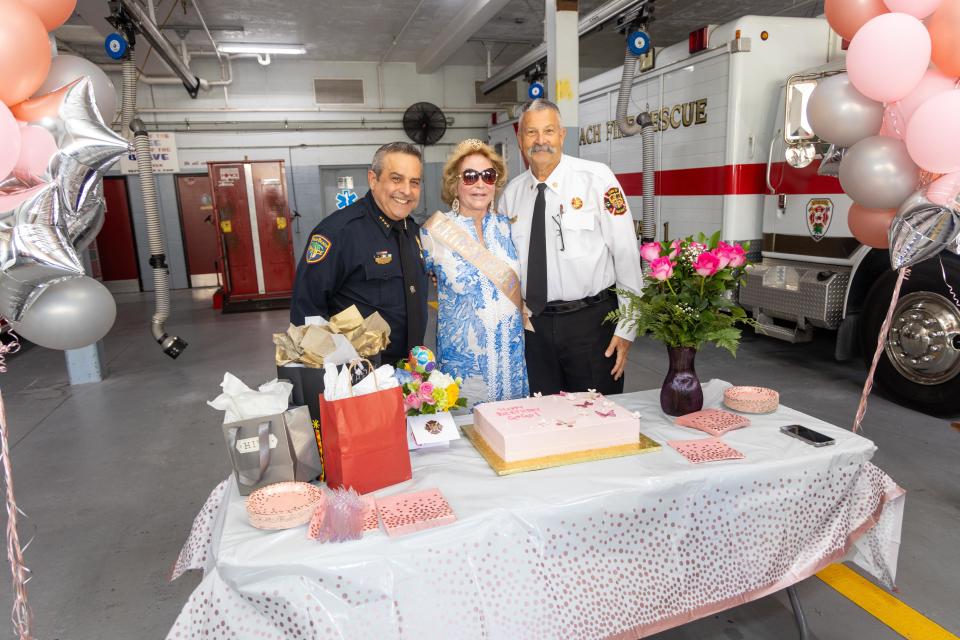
594, 19
203, 22
317, 109
152, 34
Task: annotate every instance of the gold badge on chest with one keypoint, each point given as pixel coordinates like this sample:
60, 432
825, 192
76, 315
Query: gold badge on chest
383, 257
576, 203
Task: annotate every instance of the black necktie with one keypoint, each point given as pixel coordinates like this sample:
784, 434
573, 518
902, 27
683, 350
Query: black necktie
537, 255
410, 266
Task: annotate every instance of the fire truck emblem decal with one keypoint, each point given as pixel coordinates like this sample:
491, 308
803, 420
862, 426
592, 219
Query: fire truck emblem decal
819, 216
614, 202
576, 203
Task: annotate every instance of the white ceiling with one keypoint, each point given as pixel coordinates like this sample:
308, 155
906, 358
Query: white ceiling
351, 30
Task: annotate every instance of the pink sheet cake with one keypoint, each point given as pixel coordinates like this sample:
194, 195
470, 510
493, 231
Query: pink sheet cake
551, 425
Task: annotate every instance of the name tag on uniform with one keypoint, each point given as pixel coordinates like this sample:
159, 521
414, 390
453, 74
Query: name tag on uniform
383, 257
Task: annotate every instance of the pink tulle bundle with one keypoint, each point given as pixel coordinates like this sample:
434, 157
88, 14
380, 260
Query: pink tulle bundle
338, 518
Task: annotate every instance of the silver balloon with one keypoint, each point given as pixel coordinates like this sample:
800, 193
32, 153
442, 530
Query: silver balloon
878, 173
87, 147
921, 230
840, 114
799, 156
68, 313
830, 164
35, 248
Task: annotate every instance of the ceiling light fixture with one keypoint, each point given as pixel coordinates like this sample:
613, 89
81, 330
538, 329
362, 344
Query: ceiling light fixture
268, 49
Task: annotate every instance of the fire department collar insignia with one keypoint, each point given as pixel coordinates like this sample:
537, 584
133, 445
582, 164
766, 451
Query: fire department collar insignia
819, 216
614, 202
576, 203
383, 257
318, 248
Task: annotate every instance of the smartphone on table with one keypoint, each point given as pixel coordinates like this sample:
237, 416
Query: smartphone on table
808, 435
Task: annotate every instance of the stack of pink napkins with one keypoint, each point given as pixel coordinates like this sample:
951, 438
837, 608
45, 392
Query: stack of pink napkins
714, 422
410, 512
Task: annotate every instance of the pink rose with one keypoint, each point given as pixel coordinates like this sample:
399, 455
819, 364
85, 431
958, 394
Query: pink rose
412, 401
706, 264
725, 252
674, 249
739, 256
426, 392
661, 268
650, 251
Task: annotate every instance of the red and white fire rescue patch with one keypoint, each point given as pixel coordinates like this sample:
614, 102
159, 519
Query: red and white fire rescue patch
614, 202
819, 216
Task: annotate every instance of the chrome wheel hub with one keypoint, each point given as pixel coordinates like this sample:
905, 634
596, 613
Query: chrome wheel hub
924, 340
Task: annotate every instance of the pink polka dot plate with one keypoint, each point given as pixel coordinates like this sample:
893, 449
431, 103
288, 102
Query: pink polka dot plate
751, 399
283, 505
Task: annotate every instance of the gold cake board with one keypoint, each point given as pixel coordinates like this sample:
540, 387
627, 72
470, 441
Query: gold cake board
503, 468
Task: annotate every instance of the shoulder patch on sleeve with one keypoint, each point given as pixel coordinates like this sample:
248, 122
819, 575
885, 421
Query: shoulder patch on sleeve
318, 248
614, 201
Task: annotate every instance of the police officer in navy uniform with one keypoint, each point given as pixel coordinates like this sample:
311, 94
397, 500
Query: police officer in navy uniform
368, 254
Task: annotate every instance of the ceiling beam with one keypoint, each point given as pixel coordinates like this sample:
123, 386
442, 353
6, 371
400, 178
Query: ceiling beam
602, 14
474, 15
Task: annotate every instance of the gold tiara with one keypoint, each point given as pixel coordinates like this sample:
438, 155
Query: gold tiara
470, 143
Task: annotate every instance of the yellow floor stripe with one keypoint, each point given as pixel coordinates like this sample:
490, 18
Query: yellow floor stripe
906, 621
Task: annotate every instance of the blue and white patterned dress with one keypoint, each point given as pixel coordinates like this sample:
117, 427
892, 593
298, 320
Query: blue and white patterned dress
479, 330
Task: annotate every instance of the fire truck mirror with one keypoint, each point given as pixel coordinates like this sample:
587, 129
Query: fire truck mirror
796, 126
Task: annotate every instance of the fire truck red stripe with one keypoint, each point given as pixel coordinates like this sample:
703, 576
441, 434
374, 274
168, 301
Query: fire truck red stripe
739, 179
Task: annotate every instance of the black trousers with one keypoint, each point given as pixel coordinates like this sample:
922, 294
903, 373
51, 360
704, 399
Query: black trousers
565, 352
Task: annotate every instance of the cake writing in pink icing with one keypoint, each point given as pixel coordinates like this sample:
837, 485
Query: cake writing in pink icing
514, 413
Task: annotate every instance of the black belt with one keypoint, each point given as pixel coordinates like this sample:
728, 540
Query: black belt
569, 306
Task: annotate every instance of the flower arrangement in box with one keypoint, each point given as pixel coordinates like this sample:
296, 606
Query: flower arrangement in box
686, 301
426, 389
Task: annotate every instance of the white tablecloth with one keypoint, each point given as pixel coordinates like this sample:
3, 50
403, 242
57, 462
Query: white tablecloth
611, 549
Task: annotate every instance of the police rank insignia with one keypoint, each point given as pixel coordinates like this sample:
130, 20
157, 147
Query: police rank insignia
383, 257
576, 203
614, 202
318, 248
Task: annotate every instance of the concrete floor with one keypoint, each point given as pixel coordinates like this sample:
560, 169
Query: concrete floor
111, 474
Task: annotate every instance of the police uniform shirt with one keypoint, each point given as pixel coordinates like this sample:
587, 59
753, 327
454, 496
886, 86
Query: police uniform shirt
590, 237
353, 257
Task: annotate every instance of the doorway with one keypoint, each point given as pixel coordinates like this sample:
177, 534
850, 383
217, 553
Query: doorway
197, 223
116, 244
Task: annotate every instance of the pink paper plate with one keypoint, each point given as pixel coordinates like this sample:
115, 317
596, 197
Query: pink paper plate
751, 399
283, 505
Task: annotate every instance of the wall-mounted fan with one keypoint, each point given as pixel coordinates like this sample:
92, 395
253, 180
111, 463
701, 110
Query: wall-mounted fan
424, 123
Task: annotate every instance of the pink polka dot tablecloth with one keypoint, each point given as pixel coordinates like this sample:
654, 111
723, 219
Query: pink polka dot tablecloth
618, 548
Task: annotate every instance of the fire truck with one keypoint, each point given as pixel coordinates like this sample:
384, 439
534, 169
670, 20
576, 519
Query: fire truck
734, 152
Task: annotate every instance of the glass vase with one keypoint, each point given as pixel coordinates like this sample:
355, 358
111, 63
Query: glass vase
681, 392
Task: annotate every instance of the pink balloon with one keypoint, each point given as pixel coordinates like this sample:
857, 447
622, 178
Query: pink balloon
932, 83
933, 135
36, 149
919, 9
944, 191
10, 145
888, 57
12, 200
892, 126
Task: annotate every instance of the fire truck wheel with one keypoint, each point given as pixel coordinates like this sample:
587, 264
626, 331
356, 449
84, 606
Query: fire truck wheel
920, 365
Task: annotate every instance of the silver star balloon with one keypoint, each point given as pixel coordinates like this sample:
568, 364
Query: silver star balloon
84, 225
830, 164
87, 147
35, 250
921, 230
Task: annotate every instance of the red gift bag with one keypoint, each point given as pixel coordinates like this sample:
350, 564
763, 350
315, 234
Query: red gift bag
365, 440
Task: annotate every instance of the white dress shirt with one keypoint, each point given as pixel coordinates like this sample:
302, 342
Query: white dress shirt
591, 241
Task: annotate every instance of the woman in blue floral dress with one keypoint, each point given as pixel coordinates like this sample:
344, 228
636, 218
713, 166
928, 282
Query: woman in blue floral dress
479, 327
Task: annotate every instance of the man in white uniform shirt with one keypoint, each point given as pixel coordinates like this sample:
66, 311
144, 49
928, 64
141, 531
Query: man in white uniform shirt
576, 241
